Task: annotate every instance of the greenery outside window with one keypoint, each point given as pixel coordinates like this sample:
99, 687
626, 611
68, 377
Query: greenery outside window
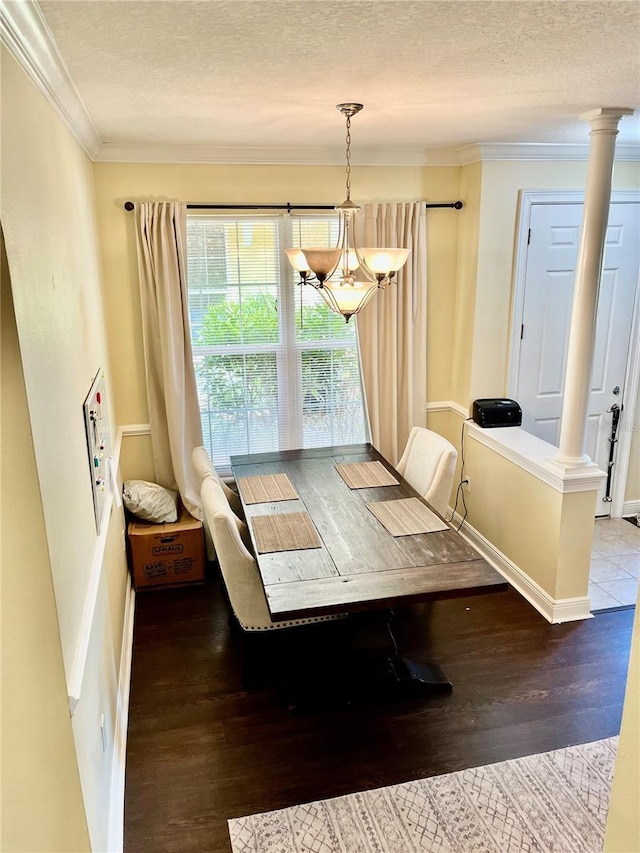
275, 369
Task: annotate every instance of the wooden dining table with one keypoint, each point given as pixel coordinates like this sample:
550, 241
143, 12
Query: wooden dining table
357, 563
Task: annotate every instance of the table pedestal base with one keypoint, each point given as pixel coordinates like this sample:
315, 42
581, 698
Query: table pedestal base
396, 676
369, 668
366, 681
423, 677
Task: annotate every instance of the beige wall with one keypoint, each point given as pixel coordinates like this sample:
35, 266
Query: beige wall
465, 294
623, 822
41, 798
49, 224
136, 459
48, 220
545, 533
115, 183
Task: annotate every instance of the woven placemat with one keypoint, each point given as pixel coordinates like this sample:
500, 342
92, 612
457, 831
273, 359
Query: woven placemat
293, 531
406, 517
366, 475
266, 488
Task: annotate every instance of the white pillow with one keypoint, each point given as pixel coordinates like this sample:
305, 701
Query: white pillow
150, 501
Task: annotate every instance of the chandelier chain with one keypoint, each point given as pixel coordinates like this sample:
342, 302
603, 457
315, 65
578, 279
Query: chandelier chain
345, 294
348, 157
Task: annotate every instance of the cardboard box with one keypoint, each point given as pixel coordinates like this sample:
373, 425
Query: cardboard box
165, 555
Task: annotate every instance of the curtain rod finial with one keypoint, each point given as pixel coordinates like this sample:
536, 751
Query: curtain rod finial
129, 205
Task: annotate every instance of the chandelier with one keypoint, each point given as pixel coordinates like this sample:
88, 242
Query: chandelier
361, 272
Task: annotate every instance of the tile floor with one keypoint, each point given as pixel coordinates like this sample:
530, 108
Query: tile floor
615, 564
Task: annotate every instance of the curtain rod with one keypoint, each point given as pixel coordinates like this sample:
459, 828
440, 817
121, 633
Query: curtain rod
129, 205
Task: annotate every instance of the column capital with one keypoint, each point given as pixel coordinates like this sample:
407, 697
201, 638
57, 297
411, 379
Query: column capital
606, 118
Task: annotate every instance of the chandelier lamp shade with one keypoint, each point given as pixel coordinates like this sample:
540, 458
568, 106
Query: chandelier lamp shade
347, 276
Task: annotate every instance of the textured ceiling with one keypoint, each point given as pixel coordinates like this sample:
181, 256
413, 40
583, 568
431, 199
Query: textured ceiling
268, 73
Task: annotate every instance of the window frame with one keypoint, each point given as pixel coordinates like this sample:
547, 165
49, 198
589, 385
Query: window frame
288, 349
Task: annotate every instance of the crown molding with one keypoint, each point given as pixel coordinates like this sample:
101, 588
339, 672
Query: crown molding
541, 151
27, 37
255, 156
283, 156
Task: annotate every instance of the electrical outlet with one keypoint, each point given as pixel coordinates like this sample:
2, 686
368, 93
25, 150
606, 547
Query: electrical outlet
466, 483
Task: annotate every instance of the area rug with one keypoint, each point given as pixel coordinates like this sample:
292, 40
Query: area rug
555, 802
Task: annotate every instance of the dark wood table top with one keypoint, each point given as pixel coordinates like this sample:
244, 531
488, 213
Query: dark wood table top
360, 565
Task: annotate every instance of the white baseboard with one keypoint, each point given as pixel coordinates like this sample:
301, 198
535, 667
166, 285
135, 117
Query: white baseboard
116, 797
553, 610
630, 508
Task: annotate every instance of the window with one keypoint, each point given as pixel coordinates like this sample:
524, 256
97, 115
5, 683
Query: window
275, 369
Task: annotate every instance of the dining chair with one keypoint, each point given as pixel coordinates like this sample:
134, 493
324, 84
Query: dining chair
241, 576
203, 467
428, 464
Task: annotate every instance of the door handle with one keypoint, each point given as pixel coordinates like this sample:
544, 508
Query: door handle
615, 417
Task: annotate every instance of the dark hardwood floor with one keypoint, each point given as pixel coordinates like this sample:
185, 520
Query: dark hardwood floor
202, 750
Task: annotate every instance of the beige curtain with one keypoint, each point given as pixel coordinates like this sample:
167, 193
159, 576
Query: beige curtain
174, 415
392, 329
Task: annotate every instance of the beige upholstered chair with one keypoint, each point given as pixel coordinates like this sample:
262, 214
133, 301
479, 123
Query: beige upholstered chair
428, 464
203, 466
238, 565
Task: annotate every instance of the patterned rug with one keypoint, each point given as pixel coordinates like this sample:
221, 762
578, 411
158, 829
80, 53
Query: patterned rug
555, 802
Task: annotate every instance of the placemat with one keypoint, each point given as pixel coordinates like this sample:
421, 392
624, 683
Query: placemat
366, 475
293, 531
406, 517
266, 488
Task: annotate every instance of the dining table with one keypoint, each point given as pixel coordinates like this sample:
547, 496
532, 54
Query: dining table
334, 531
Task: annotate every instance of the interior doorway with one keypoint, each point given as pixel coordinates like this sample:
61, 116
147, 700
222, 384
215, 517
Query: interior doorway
547, 254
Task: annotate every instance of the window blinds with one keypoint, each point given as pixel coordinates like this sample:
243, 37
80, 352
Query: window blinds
275, 369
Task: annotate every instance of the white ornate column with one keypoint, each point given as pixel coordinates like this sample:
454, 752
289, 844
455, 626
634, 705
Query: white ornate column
604, 129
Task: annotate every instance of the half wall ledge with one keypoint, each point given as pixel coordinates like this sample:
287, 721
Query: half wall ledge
536, 456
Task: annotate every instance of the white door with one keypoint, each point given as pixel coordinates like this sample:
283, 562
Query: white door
548, 293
